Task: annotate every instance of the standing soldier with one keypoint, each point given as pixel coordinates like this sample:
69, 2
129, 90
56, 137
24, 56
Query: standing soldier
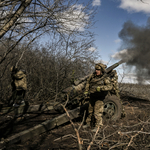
19, 86
97, 90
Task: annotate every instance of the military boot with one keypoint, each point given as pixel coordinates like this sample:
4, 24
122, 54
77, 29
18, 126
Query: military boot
98, 124
22, 103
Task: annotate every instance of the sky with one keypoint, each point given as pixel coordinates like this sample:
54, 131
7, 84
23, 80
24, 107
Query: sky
110, 17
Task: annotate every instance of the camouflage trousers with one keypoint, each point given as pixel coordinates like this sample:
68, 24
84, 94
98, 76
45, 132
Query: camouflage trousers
18, 96
95, 109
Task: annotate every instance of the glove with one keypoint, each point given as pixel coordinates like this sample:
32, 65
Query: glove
98, 89
86, 94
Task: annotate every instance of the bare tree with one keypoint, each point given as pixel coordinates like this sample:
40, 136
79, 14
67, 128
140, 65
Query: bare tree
11, 17
50, 67
30, 19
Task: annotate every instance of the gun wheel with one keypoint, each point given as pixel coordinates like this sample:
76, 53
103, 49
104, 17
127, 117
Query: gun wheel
112, 108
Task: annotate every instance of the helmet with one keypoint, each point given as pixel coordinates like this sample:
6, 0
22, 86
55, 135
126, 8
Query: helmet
100, 66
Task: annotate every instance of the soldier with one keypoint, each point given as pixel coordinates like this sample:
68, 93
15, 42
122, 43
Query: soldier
114, 81
19, 86
115, 89
97, 92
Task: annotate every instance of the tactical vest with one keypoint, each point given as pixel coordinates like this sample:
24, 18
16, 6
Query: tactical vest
94, 82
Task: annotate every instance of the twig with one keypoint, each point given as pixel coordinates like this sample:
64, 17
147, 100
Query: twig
111, 134
69, 135
91, 143
104, 137
77, 133
65, 136
140, 123
66, 101
139, 132
82, 120
133, 136
118, 145
20, 58
131, 140
56, 87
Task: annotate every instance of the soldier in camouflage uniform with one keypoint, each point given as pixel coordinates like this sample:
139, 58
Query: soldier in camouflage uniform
97, 92
114, 81
115, 88
19, 86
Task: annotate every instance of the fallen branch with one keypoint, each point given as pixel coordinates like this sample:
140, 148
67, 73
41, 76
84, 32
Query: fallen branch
133, 136
82, 120
139, 132
77, 133
65, 136
91, 143
118, 145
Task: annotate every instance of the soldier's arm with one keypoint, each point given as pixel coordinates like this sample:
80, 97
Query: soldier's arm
108, 86
88, 83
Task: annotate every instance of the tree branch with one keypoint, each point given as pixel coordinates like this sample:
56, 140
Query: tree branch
12, 21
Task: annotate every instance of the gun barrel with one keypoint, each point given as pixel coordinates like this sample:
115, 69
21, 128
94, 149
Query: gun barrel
109, 69
114, 66
81, 80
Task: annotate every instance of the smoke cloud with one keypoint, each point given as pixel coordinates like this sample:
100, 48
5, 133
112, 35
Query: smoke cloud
136, 41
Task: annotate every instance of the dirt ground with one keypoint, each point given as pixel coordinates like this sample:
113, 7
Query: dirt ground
64, 137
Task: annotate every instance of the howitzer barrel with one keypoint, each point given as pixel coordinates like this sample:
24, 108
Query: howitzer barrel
109, 69
80, 84
81, 80
114, 66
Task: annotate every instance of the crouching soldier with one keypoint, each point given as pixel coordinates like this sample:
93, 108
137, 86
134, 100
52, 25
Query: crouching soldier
19, 86
97, 91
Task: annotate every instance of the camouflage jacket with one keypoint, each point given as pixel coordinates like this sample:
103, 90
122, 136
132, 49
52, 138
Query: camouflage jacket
114, 81
19, 80
92, 83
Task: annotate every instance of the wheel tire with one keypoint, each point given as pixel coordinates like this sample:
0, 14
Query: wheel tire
112, 108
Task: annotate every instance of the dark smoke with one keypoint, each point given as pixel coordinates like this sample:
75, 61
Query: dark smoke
136, 39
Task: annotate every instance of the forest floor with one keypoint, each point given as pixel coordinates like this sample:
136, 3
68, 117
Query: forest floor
131, 132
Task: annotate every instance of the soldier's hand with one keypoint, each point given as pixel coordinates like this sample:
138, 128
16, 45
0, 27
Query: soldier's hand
98, 89
86, 94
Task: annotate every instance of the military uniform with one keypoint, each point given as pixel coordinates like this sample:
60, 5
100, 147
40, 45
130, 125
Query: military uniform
115, 89
98, 91
19, 85
114, 82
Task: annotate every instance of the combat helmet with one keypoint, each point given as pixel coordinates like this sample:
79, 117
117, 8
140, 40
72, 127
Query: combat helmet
100, 66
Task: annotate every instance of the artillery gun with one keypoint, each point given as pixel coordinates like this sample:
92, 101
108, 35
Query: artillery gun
113, 108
